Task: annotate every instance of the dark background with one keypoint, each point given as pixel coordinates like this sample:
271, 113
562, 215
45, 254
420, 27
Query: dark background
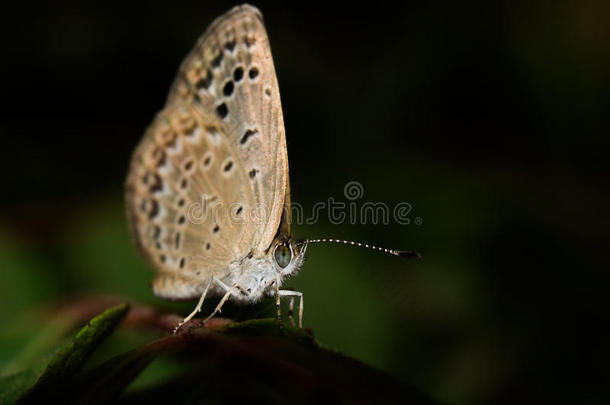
490, 118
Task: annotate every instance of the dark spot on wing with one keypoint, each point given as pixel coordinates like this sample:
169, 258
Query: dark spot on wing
238, 74
247, 135
222, 110
204, 83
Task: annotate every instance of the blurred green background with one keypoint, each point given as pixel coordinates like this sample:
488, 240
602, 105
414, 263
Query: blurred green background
490, 118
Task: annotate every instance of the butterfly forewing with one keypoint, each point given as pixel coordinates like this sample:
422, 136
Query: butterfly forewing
230, 72
208, 181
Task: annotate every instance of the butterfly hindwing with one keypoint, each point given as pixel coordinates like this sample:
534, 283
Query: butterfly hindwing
187, 201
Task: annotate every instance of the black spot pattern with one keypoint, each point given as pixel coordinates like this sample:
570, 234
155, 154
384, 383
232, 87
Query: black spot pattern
157, 184
153, 181
238, 74
217, 60
230, 46
154, 209
227, 90
247, 135
204, 83
222, 111
158, 157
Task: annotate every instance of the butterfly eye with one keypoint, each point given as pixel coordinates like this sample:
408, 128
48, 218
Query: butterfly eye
283, 255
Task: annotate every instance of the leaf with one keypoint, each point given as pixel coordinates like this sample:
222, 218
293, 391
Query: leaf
220, 362
68, 361
108, 380
269, 327
256, 361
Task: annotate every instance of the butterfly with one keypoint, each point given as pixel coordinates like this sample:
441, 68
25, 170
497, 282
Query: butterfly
218, 146
208, 189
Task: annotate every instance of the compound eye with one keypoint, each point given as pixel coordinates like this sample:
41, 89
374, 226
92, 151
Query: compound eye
283, 255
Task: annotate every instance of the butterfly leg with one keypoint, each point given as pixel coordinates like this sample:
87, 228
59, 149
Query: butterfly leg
277, 303
292, 294
229, 291
291, 311
197, 308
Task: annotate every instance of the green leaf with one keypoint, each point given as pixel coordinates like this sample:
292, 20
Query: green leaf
108, 380
269, 327
68, 361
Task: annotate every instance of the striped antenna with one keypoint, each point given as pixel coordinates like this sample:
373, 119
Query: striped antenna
402, 253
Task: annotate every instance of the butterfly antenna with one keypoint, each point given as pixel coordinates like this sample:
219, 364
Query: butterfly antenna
402, 253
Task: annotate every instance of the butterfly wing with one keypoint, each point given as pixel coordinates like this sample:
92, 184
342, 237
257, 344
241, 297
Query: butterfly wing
187, 201
207, 183
231, 73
